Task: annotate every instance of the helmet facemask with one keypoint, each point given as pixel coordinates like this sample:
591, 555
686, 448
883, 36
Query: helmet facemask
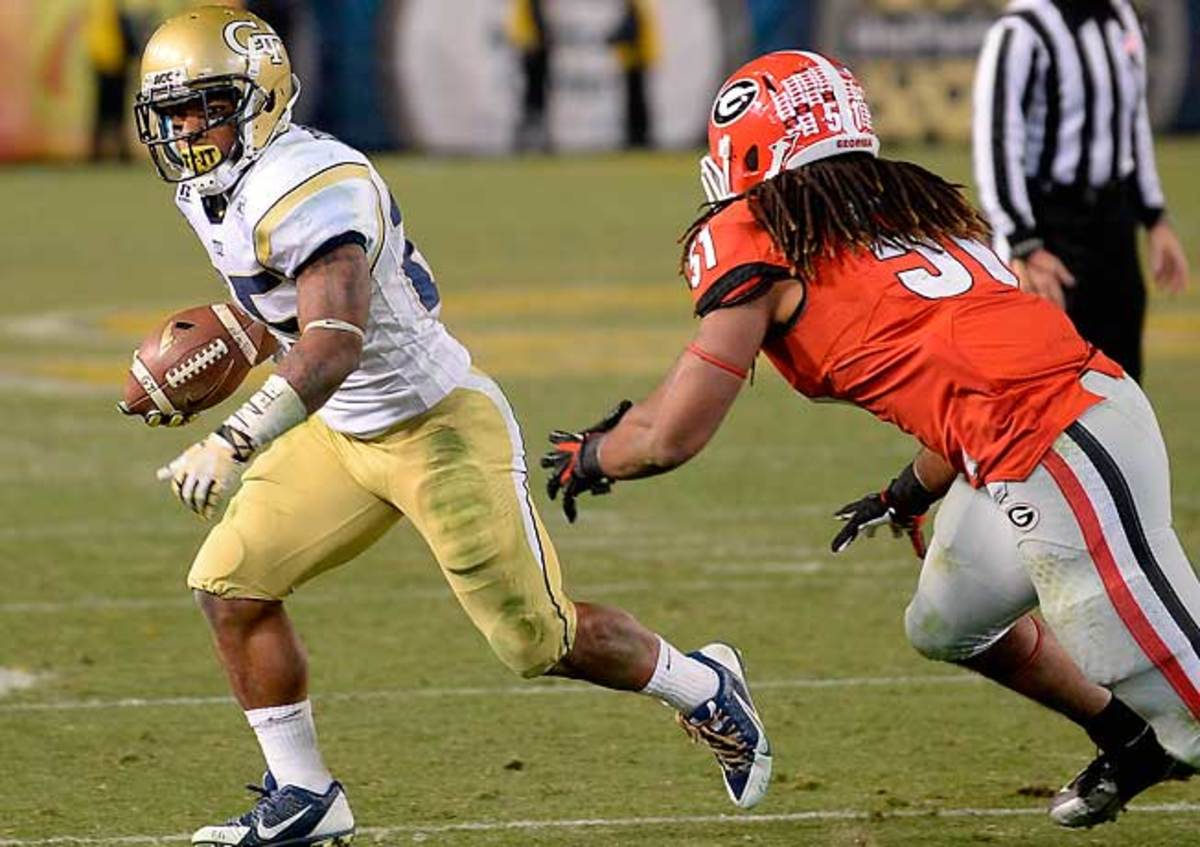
184, 156
714, 175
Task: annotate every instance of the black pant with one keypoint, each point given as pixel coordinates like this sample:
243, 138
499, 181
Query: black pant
1095, 236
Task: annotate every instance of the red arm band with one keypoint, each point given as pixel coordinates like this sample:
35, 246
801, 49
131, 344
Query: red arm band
703, 355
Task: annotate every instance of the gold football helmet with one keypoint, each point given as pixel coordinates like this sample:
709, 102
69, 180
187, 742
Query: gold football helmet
213, 53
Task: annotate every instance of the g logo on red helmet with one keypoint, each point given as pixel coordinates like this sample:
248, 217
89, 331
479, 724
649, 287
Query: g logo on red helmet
734, 101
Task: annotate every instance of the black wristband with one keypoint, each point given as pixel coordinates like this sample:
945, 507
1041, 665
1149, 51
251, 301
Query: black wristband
1151, 216
589, 458
907, 495
1022, 248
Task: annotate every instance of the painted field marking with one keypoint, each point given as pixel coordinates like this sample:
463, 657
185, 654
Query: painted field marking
13, 679
379, 833
533, 689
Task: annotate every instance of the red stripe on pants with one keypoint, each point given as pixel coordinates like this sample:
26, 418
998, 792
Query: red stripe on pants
1122, 598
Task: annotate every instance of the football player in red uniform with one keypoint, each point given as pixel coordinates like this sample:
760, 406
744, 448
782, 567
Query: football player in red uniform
869, 281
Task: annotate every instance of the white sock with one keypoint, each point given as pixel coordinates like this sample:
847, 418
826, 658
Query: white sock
680, 680
288, 738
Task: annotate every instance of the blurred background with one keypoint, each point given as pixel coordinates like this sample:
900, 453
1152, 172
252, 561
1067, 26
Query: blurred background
540, 75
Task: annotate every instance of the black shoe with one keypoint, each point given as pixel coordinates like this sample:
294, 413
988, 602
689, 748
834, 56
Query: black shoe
1099, 792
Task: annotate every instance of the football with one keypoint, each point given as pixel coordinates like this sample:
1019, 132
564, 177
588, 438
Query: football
194, 360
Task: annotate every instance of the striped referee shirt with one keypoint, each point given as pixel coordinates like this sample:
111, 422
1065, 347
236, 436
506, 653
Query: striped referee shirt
1060, 102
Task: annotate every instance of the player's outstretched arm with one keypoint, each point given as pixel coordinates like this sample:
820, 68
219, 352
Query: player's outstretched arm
675, 422
901, 506
687, 408
333, 296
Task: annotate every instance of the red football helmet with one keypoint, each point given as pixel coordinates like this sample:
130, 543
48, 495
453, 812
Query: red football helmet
781, 111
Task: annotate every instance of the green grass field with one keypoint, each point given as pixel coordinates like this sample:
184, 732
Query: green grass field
560, 275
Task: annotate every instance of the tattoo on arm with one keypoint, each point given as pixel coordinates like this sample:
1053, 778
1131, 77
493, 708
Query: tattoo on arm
336, 285
314, 376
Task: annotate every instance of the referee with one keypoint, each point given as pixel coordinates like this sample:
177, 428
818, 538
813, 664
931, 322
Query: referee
1064, 163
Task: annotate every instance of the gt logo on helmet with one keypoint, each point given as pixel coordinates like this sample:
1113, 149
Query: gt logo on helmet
230, 34
734, 101
268, 45
259, 45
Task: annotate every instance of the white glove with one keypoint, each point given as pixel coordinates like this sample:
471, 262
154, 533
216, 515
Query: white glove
202, 474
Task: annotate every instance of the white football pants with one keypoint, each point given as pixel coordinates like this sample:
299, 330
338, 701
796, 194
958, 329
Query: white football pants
1088, 537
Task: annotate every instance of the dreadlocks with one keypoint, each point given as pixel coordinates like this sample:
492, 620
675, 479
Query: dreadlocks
854, 201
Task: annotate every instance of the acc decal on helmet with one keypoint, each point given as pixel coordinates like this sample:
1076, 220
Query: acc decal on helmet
782, 111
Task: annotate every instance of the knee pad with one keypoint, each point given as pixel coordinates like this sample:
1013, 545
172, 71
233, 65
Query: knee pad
936, 638
217, 561
220, 568
530, 642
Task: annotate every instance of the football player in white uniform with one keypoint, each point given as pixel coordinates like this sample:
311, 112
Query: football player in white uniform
373, 413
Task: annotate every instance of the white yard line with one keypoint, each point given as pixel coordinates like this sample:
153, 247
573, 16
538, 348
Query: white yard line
533, 689
416, 830
12, 679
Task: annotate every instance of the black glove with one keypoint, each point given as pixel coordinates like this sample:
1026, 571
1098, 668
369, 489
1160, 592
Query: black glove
901, 506
574, 468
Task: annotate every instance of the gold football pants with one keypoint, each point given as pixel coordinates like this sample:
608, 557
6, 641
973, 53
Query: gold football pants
317, 498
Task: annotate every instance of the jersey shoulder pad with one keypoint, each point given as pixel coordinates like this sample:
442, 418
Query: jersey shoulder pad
731, 260
313, 189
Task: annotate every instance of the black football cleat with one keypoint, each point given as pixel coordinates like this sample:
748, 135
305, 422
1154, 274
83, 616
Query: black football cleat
1099, 792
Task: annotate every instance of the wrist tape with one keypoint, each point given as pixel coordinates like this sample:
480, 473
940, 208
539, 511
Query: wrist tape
907, 495
589, 458
269, 413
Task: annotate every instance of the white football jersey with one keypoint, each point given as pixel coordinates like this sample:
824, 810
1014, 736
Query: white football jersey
306, 189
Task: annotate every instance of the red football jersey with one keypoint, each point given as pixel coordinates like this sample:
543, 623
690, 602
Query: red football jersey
934, 339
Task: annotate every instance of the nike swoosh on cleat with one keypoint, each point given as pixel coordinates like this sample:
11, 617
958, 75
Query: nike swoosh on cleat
269, 832
745, 703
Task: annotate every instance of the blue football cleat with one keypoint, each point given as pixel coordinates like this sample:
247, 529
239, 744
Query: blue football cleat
731, 728
287, 816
